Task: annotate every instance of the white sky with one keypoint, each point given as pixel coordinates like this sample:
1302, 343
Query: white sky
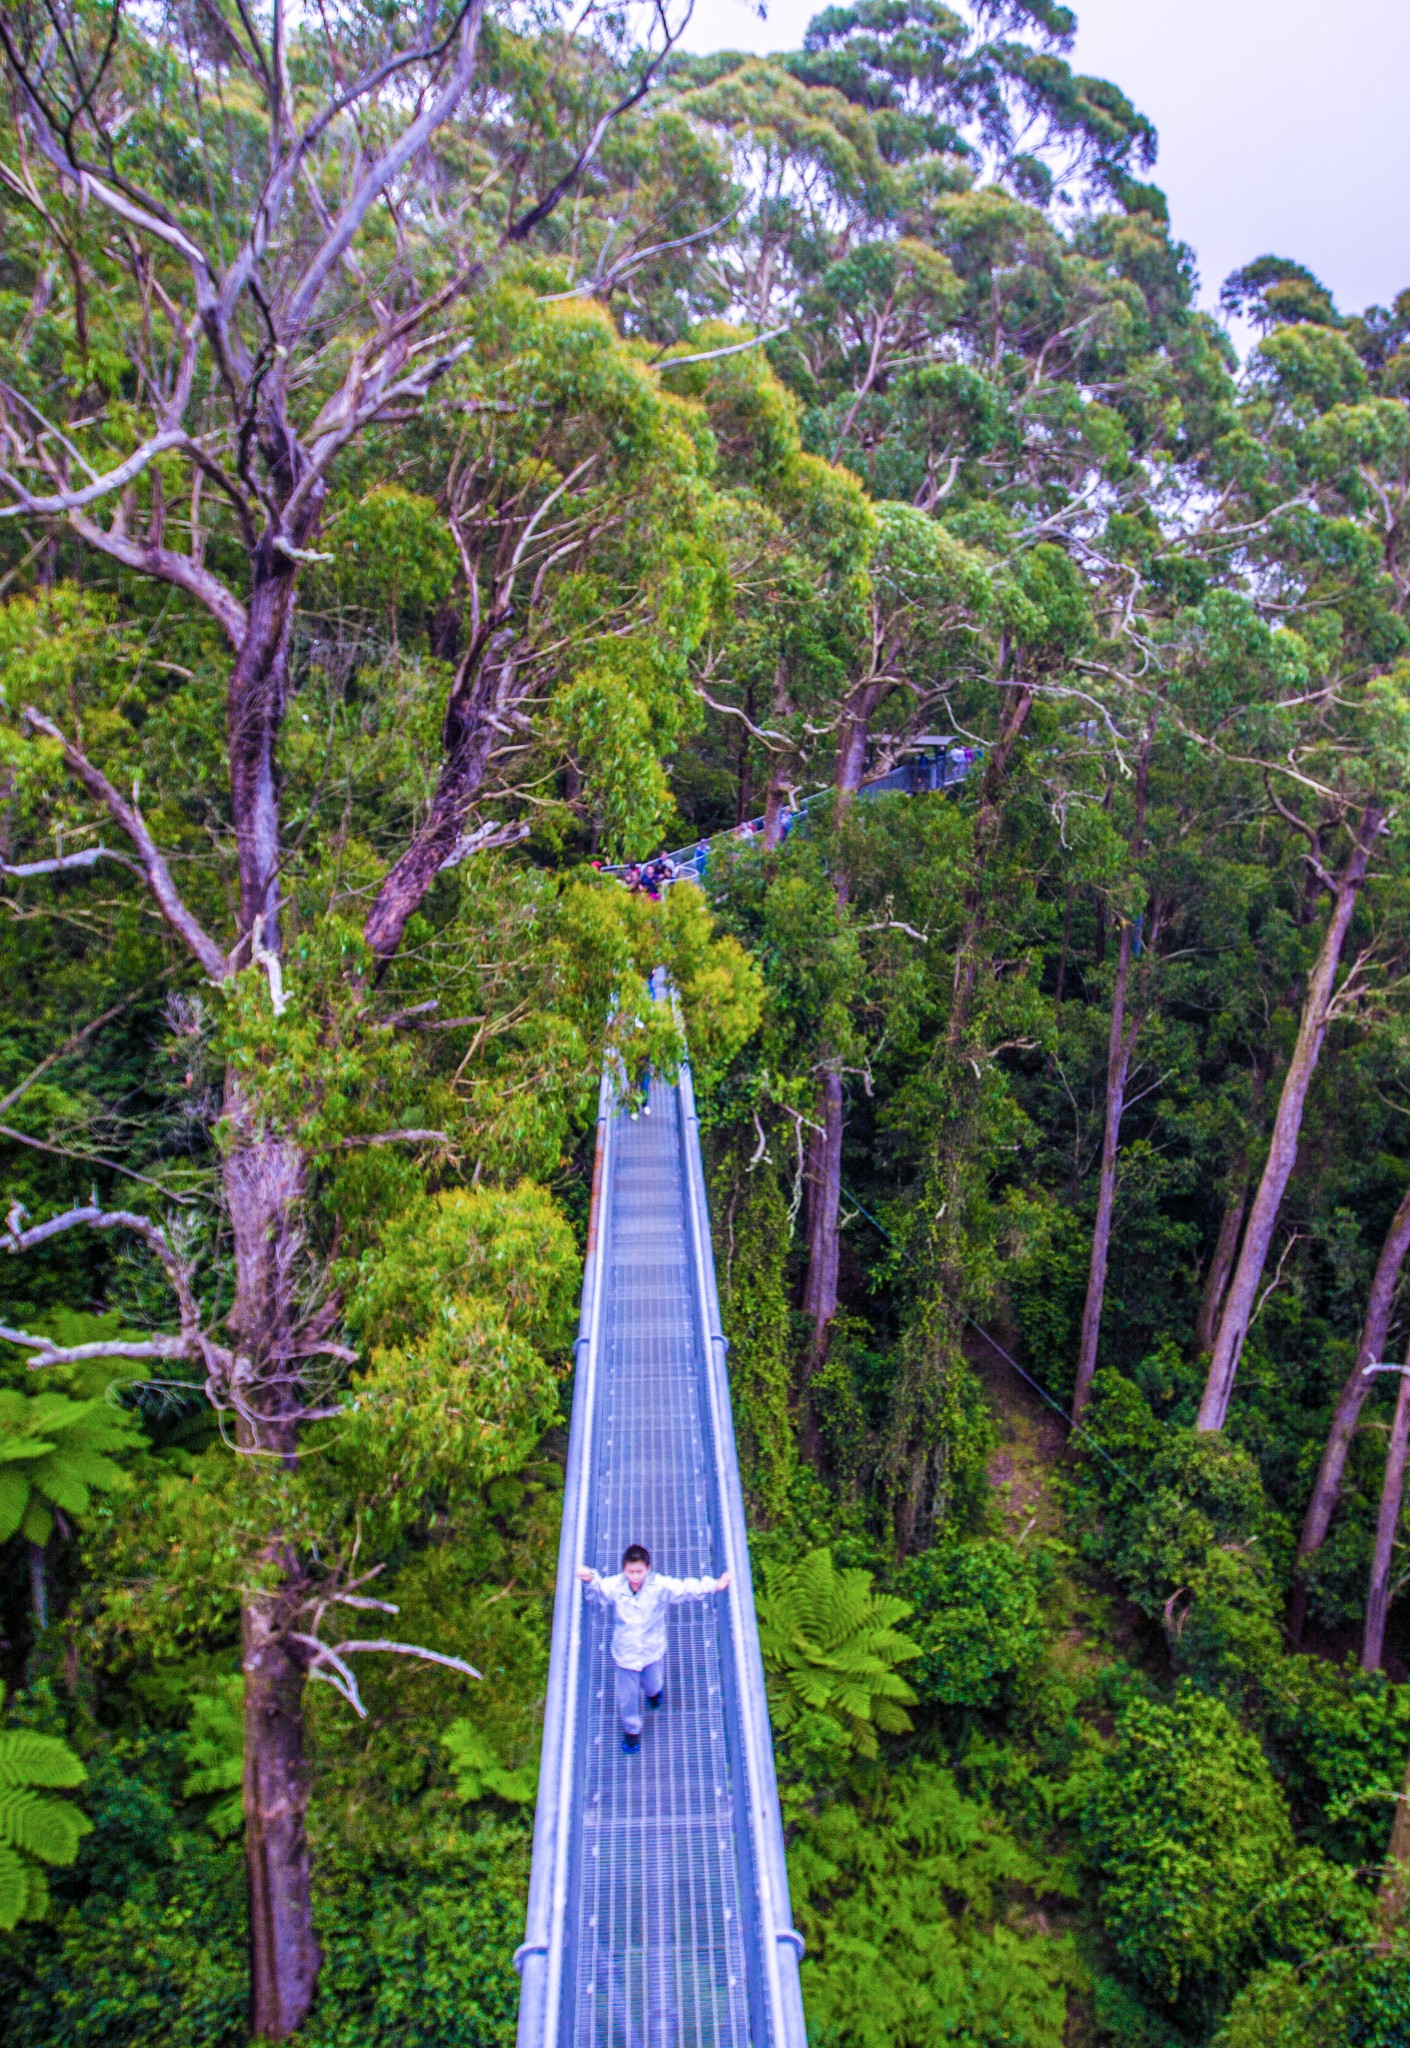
1284, 124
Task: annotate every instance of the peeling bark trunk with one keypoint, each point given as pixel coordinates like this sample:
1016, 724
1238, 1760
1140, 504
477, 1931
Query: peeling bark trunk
1216, 1284
1287, 1128
1120, 1044
265, 1183
1370, 1350
1373, 1641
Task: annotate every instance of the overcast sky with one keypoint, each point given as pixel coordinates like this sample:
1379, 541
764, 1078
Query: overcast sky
1283, 123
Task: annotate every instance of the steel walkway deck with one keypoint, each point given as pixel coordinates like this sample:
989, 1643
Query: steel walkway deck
658, 1909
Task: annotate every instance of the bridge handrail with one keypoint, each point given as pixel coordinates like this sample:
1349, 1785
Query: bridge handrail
782, 1945
539, 1957
953, 762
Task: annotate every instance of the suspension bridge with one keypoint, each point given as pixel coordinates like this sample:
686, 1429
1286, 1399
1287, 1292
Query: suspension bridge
658, 1901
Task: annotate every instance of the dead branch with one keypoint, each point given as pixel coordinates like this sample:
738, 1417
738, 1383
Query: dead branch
66, 863
393, 1138
340, 1675
69, 1045
130, 820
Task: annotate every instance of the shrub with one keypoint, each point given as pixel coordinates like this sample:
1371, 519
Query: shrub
977, 1620
914, 1903
1356, 1998
1189, 1832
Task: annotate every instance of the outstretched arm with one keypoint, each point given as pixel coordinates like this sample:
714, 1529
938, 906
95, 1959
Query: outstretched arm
692, 1589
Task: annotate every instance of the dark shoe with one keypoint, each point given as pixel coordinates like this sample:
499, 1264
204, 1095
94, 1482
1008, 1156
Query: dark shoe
630, 1744
656, 1699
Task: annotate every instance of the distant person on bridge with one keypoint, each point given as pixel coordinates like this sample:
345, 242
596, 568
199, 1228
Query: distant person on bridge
639, 1598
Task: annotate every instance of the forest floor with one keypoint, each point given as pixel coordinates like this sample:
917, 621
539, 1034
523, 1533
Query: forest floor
1026, 1470
1032, 1442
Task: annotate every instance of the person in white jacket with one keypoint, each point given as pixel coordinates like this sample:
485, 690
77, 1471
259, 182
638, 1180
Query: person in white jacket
639, 1599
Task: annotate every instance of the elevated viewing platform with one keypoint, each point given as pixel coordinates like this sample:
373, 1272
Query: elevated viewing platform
658, 1907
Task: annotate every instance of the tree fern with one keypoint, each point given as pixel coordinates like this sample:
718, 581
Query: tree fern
35, 1829
214, 1746
56, 1452
831, 1646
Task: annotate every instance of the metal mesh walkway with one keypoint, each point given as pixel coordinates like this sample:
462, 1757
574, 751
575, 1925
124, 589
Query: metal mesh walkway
658, 1903
659, 1960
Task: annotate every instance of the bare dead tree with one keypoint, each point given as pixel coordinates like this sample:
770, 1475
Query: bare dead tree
272, 345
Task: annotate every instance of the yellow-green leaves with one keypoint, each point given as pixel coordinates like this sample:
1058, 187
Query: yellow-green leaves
1313, 367
35, 1828
478, 1770
54, 1453
392, 549
462, 1305
509, 1245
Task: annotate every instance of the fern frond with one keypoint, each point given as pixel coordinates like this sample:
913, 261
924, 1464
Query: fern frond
48, 1829
14, 1889
37, 1523
14, 1494
30, 1759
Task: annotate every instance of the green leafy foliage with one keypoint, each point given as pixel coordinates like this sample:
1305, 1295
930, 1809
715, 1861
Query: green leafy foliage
976, 1621
919, 1909
1189, 1833
214, 1747
1357, 1996
853, 414
35, 1829
54, 1454
478, 1770
831, 1648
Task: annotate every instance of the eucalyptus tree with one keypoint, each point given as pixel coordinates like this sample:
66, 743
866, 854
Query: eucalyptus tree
1320, 462
255, 248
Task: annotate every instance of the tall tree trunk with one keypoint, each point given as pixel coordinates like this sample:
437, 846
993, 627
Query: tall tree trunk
1373, 1641
1287, 1128
284, 1953
824, 1163
1370, 1350
1394, 1893
824, 1206
778, 768
1216, 1284
256, 700
1120, 1043
265, 1183
988, 818
38, 1585
481, 692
